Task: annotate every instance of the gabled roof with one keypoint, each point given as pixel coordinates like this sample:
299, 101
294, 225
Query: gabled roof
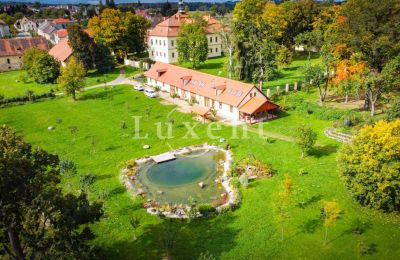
61, 20
62, 33
170, 27
256, 104
17, 46
61, 51
201, 83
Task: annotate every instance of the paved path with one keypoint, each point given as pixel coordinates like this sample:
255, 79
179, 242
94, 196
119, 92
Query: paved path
120, 80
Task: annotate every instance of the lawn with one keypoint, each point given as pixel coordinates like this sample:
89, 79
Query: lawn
253, 231
11, 83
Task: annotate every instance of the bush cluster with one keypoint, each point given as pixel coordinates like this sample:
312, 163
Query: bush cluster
25, 98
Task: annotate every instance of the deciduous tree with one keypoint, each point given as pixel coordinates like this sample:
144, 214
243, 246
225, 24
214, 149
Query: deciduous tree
305, 139
45, 69
192, 43
72, 77
370, 165
331, 215
37, 219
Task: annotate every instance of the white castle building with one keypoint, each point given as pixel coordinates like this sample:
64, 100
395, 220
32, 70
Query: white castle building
162, 38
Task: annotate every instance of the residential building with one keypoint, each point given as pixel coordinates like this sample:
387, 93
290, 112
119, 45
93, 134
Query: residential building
46, 29
162, 39
4, 29
11, 51
231, 99
61, 23
25, 25
59, 35
61, 52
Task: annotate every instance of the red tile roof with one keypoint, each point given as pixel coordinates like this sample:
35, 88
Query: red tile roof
61, 51
201, 83
255, 105
170, 27
62, 33
17, 46
61, 20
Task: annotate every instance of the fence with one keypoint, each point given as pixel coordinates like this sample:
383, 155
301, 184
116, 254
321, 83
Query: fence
137, 64
286, 88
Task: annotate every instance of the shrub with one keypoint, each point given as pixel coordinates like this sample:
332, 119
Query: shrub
87, 180
206, 209
234, 183
67, 167
394, 111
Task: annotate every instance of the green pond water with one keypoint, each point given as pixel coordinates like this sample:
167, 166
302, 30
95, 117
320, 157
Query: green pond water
175, 181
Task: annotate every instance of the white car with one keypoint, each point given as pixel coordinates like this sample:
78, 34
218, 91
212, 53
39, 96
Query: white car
139, 87
150, 93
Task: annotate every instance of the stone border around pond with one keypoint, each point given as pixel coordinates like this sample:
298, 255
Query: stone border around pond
181, 213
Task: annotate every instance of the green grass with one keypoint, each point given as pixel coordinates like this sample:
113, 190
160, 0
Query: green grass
11, 83
253, 231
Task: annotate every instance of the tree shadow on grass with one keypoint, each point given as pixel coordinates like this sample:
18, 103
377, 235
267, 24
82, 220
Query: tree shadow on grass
102, 94
311, 225
309, 201
180, 239
321, 151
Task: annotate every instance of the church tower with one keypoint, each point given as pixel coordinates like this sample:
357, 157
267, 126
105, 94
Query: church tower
181, 7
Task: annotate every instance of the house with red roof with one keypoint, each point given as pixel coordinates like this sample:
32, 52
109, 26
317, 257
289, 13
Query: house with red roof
11, 51
230, 99
61, 52
162, 38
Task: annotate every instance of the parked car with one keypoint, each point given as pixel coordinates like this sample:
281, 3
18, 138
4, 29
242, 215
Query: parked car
138, 87
150, 93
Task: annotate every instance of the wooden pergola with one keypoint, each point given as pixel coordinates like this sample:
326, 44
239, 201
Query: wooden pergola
257, 110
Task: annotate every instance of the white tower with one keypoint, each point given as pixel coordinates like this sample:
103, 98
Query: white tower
181, 7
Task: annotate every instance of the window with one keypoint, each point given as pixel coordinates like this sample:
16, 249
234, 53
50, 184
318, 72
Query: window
151, 41
8, 61
156, 42
164, 54
231, 109
216, 39
164, 42
255, 93
210, 39
210, 50
152, 53
173, 55
216, 49
172, 43
251, 95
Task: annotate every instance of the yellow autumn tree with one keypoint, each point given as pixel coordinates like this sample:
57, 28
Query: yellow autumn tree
370, 165
331, 214
274, 15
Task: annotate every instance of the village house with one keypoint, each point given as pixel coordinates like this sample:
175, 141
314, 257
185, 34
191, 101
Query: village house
55, 30
230, 99
11, 51
60, 35
61, 51
4, 29
162, 39
26, 25
46, 29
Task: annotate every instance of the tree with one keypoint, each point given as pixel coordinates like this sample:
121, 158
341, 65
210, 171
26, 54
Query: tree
136, 30
371, 27
370, 166
228, 38
37, 219
314, 75
122, 32
82, 45
103, 58
192, 43
284, 56
305, 139
394, 111
72, 77
45, 69
274, 15
30, 55
331, 214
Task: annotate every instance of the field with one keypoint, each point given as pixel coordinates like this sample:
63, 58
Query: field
11, 83
253, 231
